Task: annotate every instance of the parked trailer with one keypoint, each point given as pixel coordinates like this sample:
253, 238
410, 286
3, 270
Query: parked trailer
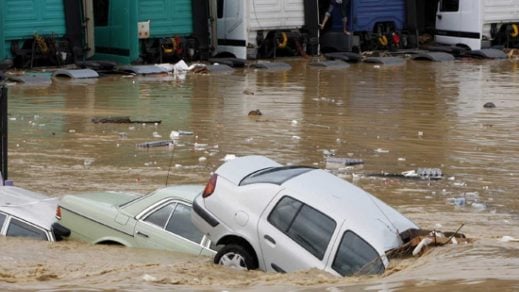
249, 29
149, 31
26, 23
478, 24
374, 24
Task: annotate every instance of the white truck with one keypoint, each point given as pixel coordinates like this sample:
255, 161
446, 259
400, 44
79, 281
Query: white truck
241, 27
478, 24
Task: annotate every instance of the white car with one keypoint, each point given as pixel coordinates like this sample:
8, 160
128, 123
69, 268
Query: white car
28, 214
286, 218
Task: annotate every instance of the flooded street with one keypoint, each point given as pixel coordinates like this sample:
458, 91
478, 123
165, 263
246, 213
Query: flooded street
394, 118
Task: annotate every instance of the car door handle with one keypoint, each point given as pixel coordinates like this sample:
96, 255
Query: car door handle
267, 237
142, 234
439, 16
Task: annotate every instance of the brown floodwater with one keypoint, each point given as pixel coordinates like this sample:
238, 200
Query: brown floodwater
394, 118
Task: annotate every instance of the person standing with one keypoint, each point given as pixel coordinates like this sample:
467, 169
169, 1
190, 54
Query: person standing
337, 4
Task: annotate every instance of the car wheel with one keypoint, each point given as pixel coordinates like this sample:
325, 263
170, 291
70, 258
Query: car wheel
236, 257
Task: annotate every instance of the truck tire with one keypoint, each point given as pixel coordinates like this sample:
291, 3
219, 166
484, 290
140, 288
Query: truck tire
236, 257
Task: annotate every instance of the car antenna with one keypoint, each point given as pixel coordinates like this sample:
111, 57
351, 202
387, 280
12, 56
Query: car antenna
169, 168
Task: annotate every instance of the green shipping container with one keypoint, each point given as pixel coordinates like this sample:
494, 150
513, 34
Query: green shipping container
116, 25
22, 19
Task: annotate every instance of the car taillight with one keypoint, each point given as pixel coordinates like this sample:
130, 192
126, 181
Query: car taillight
58, 213
209, 188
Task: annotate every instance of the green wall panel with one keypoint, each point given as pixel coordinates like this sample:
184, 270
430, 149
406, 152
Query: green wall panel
167, 17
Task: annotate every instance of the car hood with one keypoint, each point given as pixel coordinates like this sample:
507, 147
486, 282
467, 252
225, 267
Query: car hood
237, 169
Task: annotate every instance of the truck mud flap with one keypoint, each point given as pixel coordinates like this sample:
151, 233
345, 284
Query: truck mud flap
37, 79
143, 69
275, 66
231, 62
488, 54
349, 57
385, 60
330, 64
219, 68
434, 57
76, 73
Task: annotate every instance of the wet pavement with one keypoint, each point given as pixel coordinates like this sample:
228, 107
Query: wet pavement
393, 118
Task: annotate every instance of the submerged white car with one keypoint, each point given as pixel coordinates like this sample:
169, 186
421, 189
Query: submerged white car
24, 213
286, 218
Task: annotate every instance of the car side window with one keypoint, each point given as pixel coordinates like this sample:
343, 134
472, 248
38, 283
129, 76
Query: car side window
180, 223
22, 229
161, 216
308, 227
355, 256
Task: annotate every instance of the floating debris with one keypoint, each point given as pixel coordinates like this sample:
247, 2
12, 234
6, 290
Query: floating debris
229, 157
418, 241
122, 120
420, 173
255, 113
489, 105
248, 92
334, 162
380, 150
156, 144
176, 134
507, 238
459, 202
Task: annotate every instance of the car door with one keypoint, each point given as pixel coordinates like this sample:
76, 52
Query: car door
294, 236
448, 15
168, 226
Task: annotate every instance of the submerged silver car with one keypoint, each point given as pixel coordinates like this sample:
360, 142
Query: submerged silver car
286, 218
28, 214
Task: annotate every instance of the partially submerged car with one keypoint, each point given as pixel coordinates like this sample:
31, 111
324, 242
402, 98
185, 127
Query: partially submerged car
264, 215
24, 213
161, 219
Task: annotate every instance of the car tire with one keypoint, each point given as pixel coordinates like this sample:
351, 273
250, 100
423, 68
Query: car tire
236, 257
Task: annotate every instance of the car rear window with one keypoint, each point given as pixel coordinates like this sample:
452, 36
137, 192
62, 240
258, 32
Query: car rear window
275, 175
355, 257
305, 225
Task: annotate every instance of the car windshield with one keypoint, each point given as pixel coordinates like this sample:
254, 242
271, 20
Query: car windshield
274, 175
355, 256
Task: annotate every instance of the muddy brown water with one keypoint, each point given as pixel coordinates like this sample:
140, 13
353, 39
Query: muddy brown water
395, 118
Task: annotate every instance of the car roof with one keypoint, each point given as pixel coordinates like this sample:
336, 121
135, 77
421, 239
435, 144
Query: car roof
185, 193
368, 216
237, 169
32, 207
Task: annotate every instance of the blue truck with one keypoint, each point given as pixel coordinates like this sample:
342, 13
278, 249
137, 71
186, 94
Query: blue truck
373, 24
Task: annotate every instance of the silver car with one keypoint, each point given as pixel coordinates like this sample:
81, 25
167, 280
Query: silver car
265, 215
